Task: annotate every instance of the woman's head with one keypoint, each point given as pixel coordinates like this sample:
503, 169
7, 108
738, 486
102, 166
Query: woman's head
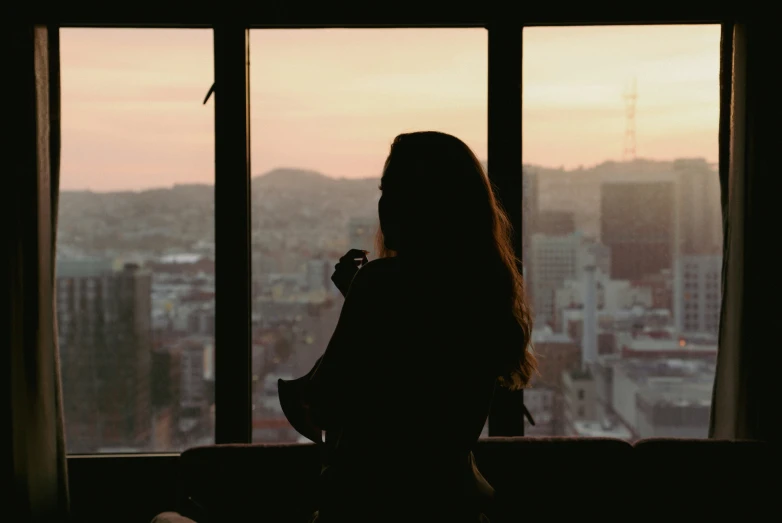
434, 192
436, 199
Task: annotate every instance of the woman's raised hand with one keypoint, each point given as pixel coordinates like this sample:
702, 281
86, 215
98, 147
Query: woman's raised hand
347, 267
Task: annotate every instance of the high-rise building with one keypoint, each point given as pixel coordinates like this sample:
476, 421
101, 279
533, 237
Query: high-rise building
637, 222
554, 260
555, 223
529, 211
193, 375
589, 328
104, 322
165, 389
701, 294
700, 217
196, 356
557, 354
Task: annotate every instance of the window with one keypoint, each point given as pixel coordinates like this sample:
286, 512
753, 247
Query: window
620, 135
325, 106
619, 154
135, 253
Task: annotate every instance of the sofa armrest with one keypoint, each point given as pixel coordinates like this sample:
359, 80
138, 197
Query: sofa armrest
171, 517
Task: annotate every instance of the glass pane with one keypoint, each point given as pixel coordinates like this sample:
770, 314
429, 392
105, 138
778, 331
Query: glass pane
326, 105
135, 251
623, 242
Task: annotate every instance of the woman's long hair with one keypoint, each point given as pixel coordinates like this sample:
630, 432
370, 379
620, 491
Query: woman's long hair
436, 195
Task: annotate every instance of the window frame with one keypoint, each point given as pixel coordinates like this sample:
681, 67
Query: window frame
233, 224
233, 353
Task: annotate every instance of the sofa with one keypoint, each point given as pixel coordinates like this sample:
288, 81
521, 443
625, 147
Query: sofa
536, 479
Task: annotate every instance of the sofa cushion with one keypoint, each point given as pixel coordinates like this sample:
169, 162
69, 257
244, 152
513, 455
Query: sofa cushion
250, 482
535, 478
552, 479
701, 479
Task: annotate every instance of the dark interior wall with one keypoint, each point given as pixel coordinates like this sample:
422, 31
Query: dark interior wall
122, 488
403, 12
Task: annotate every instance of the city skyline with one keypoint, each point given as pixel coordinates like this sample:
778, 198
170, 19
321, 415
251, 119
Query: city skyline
644, 322
573, 113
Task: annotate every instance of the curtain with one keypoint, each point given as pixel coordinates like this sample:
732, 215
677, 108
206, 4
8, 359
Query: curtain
33, 408
743, 401
55, 140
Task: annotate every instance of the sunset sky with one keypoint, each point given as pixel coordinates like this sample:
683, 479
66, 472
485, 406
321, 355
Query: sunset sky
332, 100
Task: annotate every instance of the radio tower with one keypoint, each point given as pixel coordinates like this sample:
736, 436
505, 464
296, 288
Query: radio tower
630, 97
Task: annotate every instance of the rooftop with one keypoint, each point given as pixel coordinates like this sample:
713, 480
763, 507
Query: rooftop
595, 429
668, 345
181, 258
681, 393
547, 335
658, 370
83, 267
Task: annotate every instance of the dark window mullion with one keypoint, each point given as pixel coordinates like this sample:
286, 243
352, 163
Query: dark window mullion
233, 411
505, 171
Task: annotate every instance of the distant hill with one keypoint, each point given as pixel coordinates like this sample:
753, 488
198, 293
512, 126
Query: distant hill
296, 180
295, 209
291, 210
288, 175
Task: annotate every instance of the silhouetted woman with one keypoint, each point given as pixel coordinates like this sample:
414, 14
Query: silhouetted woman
426, 332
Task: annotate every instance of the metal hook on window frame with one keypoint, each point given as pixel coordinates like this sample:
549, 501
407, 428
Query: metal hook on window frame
211, 90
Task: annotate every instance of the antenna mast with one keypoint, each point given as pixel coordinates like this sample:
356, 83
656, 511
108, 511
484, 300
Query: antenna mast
630, 97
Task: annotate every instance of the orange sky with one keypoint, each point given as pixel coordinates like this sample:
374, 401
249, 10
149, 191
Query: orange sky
332, 100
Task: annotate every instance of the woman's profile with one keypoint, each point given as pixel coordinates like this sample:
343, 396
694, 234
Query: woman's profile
426, 333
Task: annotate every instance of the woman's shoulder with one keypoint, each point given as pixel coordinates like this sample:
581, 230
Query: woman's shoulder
381, 271
382, 265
